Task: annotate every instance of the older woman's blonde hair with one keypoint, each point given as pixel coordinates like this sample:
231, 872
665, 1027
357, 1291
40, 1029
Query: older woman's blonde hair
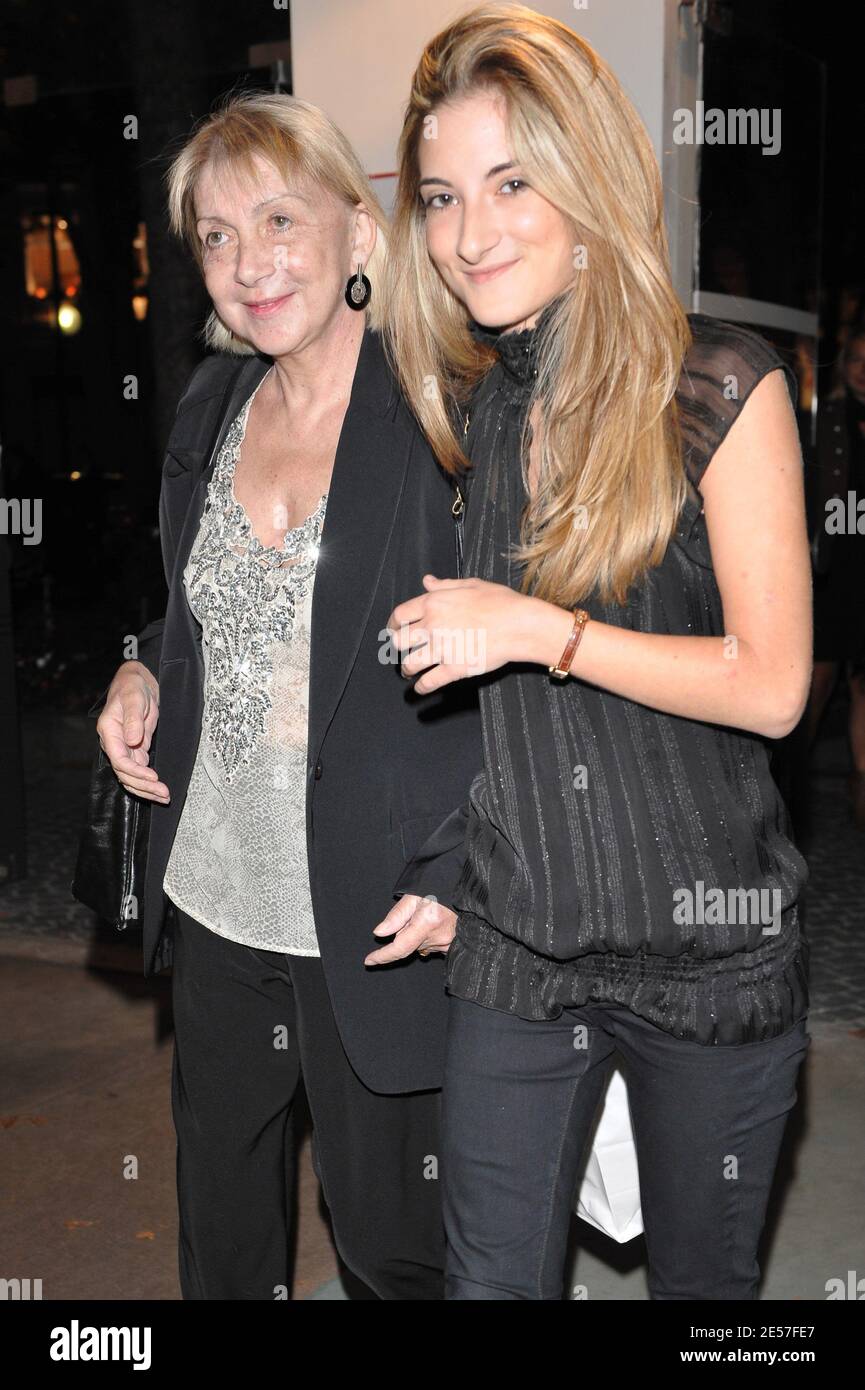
296, 137
607, 375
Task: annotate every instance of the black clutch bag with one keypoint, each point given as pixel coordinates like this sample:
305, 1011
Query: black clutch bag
112, 850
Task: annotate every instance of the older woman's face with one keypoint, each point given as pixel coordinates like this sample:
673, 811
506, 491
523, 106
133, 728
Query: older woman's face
501, 247
276, 257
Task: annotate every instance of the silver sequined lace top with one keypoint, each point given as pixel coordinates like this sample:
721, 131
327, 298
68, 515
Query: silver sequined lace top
239, 859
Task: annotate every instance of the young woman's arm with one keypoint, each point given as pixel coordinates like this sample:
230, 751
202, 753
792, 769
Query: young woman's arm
755, 678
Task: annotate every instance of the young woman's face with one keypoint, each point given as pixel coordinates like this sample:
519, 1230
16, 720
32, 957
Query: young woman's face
502, 248
276, 259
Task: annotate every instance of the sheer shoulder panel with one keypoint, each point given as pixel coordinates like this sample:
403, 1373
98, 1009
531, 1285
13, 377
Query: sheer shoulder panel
723, 365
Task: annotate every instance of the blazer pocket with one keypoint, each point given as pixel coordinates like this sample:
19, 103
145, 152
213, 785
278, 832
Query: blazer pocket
179, 460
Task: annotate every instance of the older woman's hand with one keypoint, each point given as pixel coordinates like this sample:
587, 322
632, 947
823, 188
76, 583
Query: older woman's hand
125, 730
462, 627
419, 923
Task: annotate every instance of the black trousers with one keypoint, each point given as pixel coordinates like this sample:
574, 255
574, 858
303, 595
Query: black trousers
519, 1099
248, 1024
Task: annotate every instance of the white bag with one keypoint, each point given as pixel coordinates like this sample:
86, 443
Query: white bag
609, 1197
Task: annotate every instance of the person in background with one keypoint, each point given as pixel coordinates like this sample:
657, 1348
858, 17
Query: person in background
836, 470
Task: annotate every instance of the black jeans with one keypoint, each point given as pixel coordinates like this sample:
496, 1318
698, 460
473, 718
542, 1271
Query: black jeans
519, 1099
247, 1024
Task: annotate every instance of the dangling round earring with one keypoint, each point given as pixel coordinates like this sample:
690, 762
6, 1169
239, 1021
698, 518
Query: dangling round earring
358, 290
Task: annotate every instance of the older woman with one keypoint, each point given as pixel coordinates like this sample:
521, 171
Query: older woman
296, 774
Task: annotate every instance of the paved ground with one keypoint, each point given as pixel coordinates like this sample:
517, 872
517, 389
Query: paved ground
84, 1095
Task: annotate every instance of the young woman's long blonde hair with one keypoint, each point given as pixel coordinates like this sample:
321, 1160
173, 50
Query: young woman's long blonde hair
610, 365
296, 137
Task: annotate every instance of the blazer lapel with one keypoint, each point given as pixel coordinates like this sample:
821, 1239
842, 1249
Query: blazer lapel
228, 407
369, 473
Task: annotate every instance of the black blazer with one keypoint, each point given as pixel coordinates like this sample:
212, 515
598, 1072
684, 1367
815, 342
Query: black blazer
388, 771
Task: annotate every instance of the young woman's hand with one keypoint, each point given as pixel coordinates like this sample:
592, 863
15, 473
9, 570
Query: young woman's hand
125, 730
417, 924
461, 627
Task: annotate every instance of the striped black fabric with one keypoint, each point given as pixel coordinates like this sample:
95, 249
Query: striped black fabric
593, 813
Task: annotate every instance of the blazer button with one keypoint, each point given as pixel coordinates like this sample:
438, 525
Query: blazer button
317, 771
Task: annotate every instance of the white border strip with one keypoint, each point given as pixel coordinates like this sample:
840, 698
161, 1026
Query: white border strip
757, 311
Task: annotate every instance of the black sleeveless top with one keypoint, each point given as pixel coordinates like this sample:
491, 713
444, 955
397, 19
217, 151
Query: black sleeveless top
615, 852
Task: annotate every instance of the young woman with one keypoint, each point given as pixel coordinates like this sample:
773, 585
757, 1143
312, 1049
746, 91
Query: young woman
637, 578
